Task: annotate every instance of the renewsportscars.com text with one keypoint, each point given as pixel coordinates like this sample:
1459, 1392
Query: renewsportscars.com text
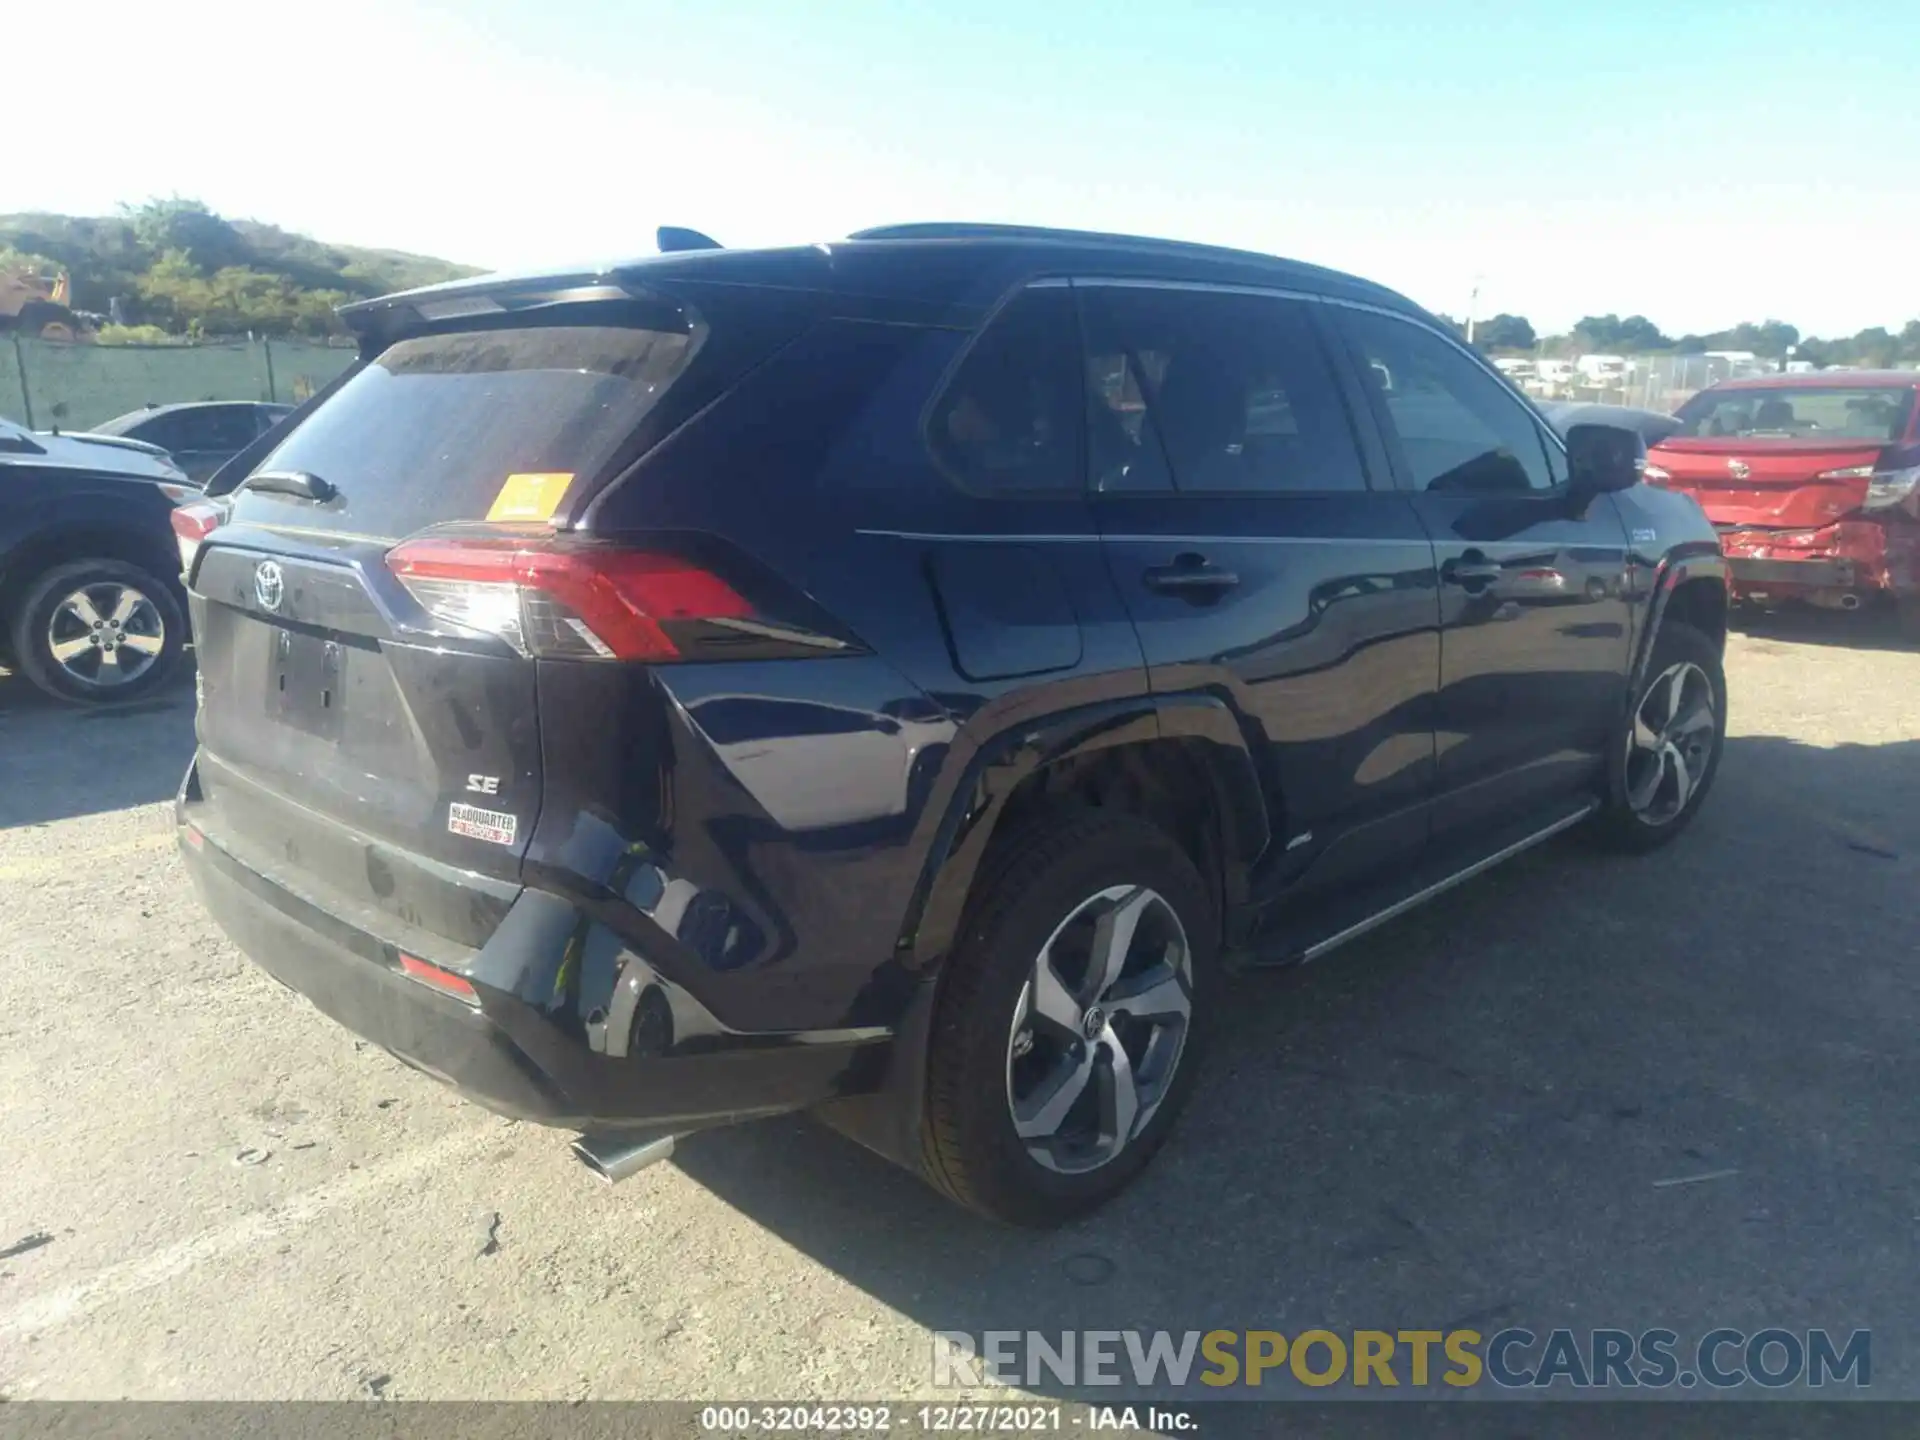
1514, 1358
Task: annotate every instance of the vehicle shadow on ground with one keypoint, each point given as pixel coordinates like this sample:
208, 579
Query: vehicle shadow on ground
1876, 628
1582, 1091
58, 761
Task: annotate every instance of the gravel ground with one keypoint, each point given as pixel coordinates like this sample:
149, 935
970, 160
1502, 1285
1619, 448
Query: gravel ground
1477, 1115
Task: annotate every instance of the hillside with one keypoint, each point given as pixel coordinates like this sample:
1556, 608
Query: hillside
176, 266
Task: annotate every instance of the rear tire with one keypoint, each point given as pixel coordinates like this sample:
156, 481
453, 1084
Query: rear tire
1667, 752
1043, 1100
132, 650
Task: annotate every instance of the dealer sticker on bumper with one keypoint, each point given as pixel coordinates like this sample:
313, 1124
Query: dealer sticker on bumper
496, 827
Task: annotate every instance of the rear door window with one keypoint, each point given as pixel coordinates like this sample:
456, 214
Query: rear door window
436, 427
220, 427
1008, 422
1212, 393
167, 430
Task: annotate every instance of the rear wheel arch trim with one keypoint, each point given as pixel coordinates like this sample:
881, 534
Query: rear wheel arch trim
40, 551
979, 797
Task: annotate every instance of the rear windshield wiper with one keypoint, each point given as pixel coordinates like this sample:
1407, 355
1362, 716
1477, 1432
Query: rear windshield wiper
303, 483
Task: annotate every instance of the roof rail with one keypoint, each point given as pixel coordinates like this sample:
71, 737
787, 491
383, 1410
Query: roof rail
983, 230
973, 230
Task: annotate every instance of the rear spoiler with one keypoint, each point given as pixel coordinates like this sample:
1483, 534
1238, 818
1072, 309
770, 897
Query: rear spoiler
379, 320
376, 322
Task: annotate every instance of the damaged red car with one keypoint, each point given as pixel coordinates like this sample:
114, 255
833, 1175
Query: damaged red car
1812, 480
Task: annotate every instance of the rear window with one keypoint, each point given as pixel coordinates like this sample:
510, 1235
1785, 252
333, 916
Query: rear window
436, 427
1798, 413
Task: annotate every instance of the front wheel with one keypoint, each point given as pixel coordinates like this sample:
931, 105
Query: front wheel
1668, 752
1067, 1033
98, 632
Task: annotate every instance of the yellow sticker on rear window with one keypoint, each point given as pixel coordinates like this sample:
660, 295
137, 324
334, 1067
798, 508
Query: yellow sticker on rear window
530, 497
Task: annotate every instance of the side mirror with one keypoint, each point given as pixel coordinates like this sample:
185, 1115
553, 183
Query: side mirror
1604, 458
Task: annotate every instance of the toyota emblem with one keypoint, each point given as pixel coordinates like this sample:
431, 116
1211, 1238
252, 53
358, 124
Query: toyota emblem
269, 585
1739, 469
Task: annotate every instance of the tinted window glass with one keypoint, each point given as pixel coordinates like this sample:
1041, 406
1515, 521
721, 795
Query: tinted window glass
220, 427
1010, 420
1558, 470
1211, 392
168, 430
1457, 427
432, 429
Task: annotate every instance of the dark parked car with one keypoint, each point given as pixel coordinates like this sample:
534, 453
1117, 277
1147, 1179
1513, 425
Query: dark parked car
202, 436
1651, 426
91, 605
897, 677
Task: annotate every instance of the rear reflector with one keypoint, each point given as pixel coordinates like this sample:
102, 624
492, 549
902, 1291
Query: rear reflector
554, 601
432, 976
191, 525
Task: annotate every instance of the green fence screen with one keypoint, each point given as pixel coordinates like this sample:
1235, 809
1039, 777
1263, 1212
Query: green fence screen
49, 385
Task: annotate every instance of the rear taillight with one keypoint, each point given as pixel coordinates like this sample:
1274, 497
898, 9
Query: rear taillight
551, 600
1886, 487
191, 525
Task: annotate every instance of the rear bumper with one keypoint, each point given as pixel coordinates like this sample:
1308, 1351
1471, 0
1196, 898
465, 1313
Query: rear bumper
1852, 557
524, 1051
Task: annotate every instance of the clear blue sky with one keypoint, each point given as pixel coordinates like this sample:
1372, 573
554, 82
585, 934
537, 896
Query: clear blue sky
1701, 161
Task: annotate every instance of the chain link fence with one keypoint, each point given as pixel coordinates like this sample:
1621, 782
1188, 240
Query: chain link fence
49, 384
1647, 382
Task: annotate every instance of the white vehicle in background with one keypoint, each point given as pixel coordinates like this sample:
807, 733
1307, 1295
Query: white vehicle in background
1739, 364
1551, 378
1516, 368
1603, 372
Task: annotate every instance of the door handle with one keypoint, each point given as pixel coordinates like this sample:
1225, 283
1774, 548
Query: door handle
1190, 576
1471, 570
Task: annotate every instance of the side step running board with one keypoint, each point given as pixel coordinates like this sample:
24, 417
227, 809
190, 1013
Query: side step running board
1349, 922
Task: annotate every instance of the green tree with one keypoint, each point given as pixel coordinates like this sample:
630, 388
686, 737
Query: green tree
1597, 332
1875, 348
1637, 334
1505, 332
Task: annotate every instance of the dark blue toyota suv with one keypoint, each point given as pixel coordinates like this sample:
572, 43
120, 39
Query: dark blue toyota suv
902, 677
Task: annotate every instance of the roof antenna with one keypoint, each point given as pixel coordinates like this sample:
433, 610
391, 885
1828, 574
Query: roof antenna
677, 237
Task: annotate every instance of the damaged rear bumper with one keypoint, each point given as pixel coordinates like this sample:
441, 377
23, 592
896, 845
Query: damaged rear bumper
1844, 564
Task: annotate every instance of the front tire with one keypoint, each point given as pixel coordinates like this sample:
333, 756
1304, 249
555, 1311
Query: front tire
1069, 1025
1666, 756
96, 632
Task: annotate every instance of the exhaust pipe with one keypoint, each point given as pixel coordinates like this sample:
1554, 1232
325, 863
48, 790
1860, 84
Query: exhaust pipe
1836, 600
615, 1157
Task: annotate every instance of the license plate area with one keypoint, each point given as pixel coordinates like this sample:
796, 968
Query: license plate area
306, 682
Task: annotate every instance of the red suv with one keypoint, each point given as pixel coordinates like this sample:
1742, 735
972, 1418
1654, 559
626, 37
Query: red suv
1813, 482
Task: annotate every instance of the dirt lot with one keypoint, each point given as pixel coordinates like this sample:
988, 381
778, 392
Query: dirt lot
1478, 1115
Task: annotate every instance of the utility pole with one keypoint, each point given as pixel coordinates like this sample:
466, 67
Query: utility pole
1473, 307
